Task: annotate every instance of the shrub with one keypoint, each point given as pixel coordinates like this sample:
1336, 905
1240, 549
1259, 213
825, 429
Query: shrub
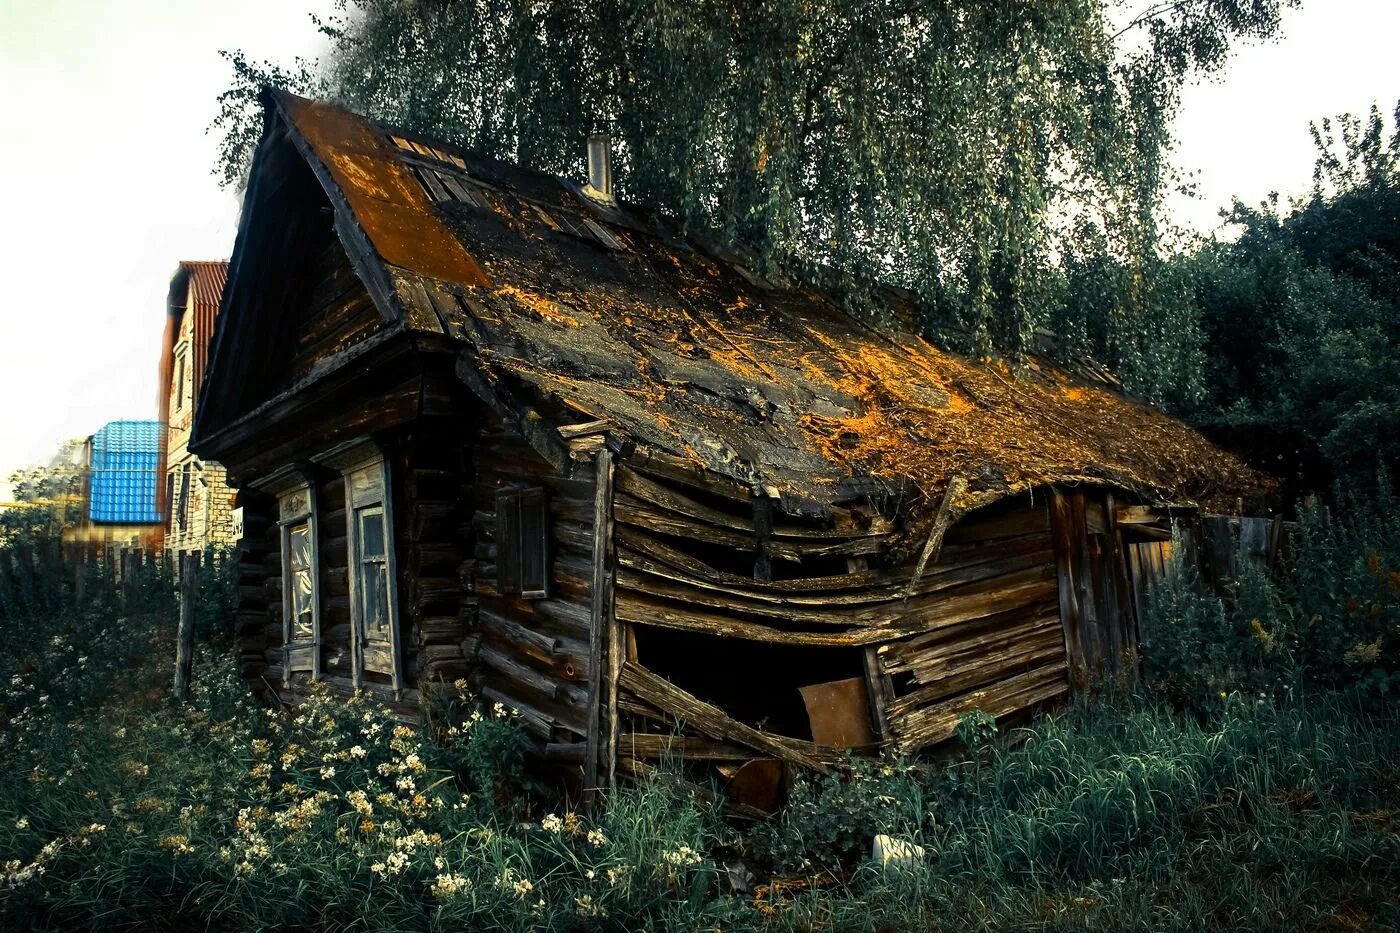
1329, 619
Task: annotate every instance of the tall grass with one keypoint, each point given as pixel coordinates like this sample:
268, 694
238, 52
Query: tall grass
1248, 784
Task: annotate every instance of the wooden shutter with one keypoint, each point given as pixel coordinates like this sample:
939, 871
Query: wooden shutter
522, 543
508, 541
534, 544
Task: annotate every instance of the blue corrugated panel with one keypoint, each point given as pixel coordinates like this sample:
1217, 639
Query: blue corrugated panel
125, 470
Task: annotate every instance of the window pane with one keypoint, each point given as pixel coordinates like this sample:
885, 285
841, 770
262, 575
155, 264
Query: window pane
302, 598
374, 591
299, 539
371, 533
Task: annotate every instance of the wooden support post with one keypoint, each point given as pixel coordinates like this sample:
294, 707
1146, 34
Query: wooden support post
184, 645
80, 570
602, 639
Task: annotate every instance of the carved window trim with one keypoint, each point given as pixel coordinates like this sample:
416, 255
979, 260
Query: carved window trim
295, 490
368, 494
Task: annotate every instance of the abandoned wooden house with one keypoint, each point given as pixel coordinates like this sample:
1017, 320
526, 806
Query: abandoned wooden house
493, 425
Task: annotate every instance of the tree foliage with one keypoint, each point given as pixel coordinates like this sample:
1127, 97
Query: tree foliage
1301, 313
954, 149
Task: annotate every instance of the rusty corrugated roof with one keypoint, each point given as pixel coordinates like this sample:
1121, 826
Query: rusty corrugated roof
206, 280
590, 310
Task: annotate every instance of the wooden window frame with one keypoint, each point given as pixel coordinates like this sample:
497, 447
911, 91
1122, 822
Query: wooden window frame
518, 508
295, 490
369, 488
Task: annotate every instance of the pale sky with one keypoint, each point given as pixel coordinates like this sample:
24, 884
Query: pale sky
106, 172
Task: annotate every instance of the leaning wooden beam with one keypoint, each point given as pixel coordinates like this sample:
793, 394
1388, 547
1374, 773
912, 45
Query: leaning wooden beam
949, 511
597, 635
713, 721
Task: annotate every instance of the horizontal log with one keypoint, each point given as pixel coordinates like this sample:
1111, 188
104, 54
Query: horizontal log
939, 722
535, 722
989, 632
695, 748
982, 670
652, 576
1024, 521
644, 544
630, 511
668, 466
974, 602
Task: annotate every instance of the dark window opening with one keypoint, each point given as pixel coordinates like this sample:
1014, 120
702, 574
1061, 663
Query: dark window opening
183, 506
522, 543
755, 682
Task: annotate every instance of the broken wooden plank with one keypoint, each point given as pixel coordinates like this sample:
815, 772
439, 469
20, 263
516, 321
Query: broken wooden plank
714, 722
948, 513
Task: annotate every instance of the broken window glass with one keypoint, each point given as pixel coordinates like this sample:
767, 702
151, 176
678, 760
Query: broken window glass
302, 583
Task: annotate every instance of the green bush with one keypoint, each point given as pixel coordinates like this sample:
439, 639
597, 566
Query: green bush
1328, 619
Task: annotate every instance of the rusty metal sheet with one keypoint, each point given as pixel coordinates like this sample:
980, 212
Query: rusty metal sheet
757, 783
388, 203
839, 712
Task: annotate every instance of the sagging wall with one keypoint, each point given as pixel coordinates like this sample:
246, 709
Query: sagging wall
764, 633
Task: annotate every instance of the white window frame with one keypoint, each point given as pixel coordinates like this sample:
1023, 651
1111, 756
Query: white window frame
368, 488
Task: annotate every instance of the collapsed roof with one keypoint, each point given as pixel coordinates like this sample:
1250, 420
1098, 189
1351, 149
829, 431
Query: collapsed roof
572, 308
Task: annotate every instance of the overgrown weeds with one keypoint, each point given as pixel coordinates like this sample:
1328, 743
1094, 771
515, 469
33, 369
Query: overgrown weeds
1250, 783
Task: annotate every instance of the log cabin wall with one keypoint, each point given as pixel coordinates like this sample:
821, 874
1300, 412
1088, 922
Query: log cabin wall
429, 485
333, 310
534, 653
436, 538
252, 621
993, 639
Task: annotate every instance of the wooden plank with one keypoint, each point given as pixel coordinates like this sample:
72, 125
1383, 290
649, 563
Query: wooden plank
184, 645
713, 721
980, 670
938, 722
1067, 569
689, 747
998, 595
948, 513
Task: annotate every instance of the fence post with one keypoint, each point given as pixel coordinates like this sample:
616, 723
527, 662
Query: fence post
184, 645
129, 581
80, 576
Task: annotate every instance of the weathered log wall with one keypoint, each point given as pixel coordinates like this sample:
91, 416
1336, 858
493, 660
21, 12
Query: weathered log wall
534, 653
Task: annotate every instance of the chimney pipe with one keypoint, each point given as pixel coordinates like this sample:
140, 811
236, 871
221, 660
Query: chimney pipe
600, 181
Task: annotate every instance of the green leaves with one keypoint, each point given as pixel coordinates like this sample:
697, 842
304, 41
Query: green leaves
935, 146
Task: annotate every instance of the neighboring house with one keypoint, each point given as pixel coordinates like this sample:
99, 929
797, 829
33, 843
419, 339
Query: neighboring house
490, 424
120, 483
195, 498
